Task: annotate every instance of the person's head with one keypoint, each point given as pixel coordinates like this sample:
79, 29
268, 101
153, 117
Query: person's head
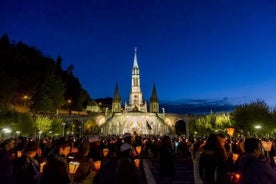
31, 148
215, 141
62, 147
253, 146
221, 139
166, 140
125, 149
83, 148
95, 140
127, 138
8, 144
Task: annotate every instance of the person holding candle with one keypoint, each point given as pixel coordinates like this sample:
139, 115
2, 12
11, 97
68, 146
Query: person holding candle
84, 172
26, 168
7, 160
56, 169
213, 165
126, 172
252, 166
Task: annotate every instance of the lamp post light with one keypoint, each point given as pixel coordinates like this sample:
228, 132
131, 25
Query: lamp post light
257, 127
63, 129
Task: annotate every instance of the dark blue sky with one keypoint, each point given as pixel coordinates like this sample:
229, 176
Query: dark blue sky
191, 49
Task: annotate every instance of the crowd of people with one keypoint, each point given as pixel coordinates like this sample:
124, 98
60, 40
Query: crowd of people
50, 160
219, 160
216, 159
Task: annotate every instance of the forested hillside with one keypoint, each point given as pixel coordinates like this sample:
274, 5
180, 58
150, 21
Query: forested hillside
39, 83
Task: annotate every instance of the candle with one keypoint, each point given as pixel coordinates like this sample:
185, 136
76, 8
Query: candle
138, 149
230, 131
235, 157
41, 166
105, 152
97, 165
137, 162
73, 166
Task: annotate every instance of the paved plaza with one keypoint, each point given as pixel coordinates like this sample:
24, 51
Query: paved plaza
149, 171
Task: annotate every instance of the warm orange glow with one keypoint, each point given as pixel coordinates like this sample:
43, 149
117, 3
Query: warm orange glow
137, 162
97, 165
19, 154
105, 152
230, 131
138, 149
73, 166
235, 157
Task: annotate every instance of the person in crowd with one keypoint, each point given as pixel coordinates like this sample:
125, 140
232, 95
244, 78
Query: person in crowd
6, 161
252, 165
128, 143
56, 169
95, 150
196, 149
213, 165
125, 170
166, 161
84, 173
26, 167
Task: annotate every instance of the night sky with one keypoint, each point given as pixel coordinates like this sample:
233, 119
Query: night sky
191, 49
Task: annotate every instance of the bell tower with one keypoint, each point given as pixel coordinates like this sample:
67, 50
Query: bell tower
136, 96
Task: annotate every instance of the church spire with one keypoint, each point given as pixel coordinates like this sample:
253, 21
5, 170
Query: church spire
135, 62
116, 94
154, 104
116, 103
153, 97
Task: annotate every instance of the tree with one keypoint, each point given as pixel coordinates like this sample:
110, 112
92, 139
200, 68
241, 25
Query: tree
245, 117
43, 124
49, 96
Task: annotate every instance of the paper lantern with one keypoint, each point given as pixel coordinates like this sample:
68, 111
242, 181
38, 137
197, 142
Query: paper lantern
267, 145
274, 158
138, 149
73, 166
105, 152
19, 154
230, 131
97, 165
235, 157
137, 162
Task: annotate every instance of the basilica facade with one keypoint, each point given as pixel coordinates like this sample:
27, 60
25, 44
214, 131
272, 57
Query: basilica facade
136, 115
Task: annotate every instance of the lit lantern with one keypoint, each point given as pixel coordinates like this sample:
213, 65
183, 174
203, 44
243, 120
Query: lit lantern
41, 166
73, 166
138, 149
105, 152
97, 165
274, 158
230, 131
137, 162
19, 154
235, 157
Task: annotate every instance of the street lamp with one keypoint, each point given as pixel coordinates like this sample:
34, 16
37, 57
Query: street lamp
63, 127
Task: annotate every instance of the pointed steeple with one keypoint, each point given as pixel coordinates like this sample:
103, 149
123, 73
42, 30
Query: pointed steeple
116, 103
135, 62
153, 97
117, 97
154, 104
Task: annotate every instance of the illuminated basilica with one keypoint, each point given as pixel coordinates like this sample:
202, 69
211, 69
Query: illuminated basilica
135, 116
